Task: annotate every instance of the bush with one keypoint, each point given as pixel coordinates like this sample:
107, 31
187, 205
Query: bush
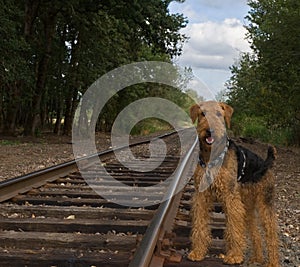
257, 128
150, 125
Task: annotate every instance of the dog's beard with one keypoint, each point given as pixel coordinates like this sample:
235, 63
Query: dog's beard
217, 152
208, 178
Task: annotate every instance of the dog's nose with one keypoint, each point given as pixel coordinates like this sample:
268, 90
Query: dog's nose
209, 131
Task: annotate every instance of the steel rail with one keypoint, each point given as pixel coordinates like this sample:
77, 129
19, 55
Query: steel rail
157, 227
18, 185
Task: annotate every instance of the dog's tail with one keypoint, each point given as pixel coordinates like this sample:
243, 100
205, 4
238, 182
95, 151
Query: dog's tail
268, 163
272, 155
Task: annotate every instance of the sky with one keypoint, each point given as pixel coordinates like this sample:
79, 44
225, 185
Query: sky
216, 38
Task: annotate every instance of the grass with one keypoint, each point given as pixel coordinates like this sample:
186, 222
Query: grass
150, 125
257, 128
9, 142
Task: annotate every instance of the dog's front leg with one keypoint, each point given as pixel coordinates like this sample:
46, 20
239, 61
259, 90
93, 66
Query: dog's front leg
235, 226
201, 234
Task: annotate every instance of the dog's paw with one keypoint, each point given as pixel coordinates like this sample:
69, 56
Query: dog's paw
233, 259
256, 259
270, 264
196, 255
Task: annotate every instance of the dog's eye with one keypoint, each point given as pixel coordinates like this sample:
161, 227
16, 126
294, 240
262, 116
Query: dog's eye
203, 113
219, 114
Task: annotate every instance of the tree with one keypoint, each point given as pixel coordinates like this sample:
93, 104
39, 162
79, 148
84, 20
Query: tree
267, 82
51, 51
15, 73
45, 12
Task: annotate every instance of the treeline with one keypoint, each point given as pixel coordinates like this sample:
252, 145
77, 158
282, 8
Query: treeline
51, 51
265, 84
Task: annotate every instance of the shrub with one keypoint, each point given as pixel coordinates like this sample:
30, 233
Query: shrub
150, 125
257, 128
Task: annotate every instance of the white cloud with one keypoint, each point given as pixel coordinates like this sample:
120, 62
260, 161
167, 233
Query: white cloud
214, 45
217, 37
221, 3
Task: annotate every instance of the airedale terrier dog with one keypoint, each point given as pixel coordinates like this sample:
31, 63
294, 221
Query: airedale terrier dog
239, 179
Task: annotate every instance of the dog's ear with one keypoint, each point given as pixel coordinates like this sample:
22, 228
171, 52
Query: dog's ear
228, 110
194, 112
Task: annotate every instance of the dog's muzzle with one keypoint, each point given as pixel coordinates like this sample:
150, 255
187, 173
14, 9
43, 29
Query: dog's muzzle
209, 139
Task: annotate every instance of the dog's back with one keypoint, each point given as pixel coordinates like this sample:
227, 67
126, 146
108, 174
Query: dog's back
251, 167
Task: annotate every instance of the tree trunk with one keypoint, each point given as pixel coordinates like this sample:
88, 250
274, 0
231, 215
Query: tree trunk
72, 94
71, 106
1, 111
12, 107
59, 113
34, 117
31, 11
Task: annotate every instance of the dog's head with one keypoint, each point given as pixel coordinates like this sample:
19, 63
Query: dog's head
212, 117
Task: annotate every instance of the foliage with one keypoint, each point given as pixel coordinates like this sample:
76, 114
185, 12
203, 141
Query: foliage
150, 125
266, 82
9, 142
51, 51
257, 128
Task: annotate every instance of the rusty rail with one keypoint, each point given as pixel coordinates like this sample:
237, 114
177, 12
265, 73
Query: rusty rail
163, 220
19, 185
79, 202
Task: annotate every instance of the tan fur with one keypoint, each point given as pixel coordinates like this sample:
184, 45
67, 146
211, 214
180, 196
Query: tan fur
245, 205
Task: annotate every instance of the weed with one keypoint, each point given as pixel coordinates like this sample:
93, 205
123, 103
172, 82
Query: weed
9, 142
150, 125
257, 128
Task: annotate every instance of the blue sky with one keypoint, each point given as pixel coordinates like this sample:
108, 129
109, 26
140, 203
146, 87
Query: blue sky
217, 38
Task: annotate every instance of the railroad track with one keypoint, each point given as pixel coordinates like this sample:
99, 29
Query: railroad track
55, 217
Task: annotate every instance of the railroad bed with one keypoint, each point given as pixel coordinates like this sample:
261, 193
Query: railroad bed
55, 218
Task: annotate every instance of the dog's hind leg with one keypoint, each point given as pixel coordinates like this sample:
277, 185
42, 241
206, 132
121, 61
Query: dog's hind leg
249, 200
266, 209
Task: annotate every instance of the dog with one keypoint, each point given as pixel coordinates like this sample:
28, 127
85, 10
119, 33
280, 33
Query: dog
241, 180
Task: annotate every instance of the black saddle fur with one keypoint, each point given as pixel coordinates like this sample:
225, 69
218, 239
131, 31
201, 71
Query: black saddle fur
254, 167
